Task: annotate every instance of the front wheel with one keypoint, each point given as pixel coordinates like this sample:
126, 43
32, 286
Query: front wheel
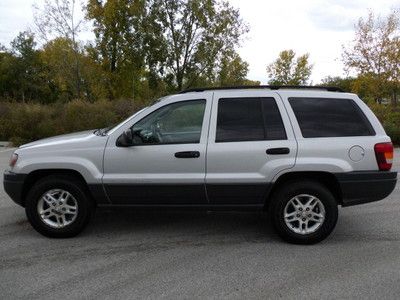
303, 212
58, 206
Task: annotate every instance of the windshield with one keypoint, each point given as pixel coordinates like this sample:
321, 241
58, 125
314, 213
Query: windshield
110, 129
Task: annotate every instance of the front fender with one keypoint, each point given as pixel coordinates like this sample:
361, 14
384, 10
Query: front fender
91, 172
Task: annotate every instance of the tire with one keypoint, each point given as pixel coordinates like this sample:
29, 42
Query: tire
304, 223
77, 206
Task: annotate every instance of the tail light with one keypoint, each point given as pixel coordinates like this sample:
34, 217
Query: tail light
13, 160
384, 156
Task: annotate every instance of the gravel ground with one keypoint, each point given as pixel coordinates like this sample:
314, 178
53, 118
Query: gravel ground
124, 254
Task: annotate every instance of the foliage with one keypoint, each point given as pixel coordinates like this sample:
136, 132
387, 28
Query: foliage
232, 71
120, 42
359, 85
286, 70
375, 55
181, 42
25, 122
389, 116
59, 54
142, 50
22, 73
58, 18
197, 35
346, 84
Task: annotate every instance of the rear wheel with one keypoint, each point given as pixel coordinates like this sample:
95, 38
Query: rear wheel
303, 212
58, 206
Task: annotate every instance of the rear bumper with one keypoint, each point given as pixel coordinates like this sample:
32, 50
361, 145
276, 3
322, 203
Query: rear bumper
366, 186
13, 184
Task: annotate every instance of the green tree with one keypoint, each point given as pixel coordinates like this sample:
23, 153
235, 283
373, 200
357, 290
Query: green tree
121, 36
58, 54
233, 71
375, 54
8, 82
287, 70
57, 18
26, 72
142, 49
164, 43
197, 35
346, 84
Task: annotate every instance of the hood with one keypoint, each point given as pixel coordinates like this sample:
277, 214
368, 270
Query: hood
61, 139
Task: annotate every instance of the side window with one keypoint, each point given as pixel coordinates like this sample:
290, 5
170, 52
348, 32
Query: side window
328, 117
176, 123
248, 119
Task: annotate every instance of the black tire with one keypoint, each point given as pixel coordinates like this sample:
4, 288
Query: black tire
76, 189
289, 190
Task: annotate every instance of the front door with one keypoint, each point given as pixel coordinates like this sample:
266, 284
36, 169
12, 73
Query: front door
166, 163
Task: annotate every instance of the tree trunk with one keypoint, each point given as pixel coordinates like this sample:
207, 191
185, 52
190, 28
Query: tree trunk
75, 47
179, 80
78, 77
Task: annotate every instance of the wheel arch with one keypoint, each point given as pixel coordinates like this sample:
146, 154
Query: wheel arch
327, 179
36, 175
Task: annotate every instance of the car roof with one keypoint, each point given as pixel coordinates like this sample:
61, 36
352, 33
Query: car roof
269, 87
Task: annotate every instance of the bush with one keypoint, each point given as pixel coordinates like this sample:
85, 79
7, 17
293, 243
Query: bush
25, 122
390, 119
393, 131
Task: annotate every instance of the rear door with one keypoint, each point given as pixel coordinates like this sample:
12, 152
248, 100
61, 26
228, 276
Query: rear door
250, 142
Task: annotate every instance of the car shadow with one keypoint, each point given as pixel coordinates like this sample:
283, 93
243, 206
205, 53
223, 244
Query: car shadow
201, 227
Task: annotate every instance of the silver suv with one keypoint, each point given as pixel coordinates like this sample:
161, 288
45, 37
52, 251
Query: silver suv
297, 153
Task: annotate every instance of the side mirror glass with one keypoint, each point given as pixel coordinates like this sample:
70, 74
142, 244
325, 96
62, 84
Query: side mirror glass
125, 139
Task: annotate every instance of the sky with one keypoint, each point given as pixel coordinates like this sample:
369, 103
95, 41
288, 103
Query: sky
317, 27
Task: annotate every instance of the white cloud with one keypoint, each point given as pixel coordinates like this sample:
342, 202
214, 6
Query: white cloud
337, 18
15, 16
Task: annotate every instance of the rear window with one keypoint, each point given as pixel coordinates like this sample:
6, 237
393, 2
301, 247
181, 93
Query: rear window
249, 119
328, 117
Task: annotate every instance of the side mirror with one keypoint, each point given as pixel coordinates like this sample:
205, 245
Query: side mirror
125, 139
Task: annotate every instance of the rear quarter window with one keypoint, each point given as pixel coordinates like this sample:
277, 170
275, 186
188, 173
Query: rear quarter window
329, 117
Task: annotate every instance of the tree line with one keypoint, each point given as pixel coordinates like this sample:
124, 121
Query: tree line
142, 49
147, 48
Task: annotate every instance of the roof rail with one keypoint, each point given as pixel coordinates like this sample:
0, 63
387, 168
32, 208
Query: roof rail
271, 87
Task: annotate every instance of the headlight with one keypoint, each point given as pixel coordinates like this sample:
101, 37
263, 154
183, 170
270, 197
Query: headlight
13, 159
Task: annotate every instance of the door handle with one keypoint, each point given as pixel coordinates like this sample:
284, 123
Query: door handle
187, 154
276, 151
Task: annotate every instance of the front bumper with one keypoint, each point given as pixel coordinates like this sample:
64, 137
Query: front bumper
365, 186
13, 185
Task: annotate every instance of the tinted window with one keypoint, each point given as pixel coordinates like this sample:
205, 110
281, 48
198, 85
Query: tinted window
325, 117
248, 119
175, 123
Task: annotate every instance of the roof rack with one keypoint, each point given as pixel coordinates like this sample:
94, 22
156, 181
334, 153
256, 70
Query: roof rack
271, 87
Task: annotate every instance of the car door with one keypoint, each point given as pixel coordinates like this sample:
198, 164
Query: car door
166, 163
250, 142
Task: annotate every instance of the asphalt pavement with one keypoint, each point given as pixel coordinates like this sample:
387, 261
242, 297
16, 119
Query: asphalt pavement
172, 255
